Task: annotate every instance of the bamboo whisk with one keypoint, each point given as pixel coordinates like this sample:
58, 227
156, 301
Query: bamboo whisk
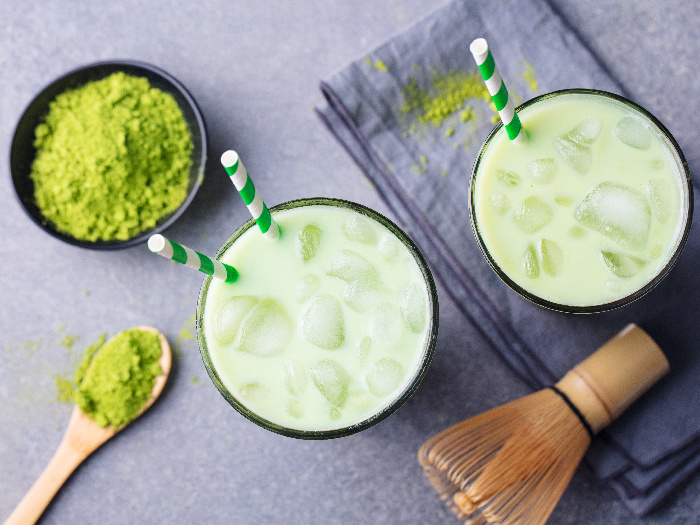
510, 465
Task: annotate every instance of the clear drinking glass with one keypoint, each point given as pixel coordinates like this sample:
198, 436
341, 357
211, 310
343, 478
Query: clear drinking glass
398, 398
521, 285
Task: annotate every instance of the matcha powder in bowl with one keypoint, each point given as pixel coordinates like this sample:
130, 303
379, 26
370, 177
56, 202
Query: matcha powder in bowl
116, 154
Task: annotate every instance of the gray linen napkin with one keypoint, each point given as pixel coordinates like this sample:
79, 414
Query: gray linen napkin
422, 172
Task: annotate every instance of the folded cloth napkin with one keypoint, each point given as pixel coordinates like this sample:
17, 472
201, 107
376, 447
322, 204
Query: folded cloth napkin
420, 164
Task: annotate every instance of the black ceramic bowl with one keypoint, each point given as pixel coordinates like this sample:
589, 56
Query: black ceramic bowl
23, 152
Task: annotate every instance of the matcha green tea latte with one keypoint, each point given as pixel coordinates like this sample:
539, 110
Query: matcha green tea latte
328, 328
112, 159
591, 211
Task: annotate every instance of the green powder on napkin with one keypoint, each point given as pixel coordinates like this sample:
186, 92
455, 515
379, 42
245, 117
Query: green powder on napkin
529, 77
115, 379
446, 94
113, 157
376, 64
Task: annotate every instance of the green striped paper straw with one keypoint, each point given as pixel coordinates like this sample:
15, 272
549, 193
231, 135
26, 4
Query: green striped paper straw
497, 89
244, 184
184, 255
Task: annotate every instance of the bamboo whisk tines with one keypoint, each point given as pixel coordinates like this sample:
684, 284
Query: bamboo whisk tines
511, 465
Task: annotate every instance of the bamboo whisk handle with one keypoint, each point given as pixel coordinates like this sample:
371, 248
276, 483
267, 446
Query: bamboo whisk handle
614, 376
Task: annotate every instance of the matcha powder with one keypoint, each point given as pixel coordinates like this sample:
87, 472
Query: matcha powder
113, 157
116, 379
445, 95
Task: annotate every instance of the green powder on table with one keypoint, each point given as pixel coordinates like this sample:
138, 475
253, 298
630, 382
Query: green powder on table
115, 379
113, 157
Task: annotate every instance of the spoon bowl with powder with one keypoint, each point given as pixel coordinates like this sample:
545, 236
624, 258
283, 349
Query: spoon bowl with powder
106, 403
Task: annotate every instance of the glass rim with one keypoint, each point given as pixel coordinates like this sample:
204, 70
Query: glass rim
390, 407
684, 175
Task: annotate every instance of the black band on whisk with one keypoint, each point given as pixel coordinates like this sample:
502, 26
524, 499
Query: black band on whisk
575, 410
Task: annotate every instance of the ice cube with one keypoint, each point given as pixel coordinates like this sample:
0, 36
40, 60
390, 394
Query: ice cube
577, 232
542, 171
574, 147
413, 307
363, 295
230, 315
294, 408
322, 322
499, 202
529, 265
332, 380
388, 246
265, 330
532, 214
293, 375
384, 376
617, 211
633, 132
508, 178
551, 256
359, 400
350, 266
661, 197
307, 287
253, 393
362, 348
307, 240
586, 132
358, 228
613, 285
385, 324
620, 264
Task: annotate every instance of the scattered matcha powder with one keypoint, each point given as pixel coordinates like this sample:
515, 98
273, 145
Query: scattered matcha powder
529, 77
381, 66
446, 94
467, 113
67, 387
187, 333
115, 379
113, 157
68, 341
376, 64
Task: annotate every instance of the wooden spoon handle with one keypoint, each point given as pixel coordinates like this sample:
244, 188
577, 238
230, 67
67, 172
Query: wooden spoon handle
62, 464
82, 437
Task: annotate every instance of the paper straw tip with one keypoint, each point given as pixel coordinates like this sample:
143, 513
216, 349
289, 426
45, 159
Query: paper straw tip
156, 242
229, 158
479, 47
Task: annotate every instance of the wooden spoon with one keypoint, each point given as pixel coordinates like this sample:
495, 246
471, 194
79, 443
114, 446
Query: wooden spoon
83, 436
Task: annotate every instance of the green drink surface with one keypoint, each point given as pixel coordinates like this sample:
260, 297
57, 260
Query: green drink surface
325, 327
589, 209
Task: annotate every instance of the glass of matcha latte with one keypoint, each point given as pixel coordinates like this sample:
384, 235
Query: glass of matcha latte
591, 211
328, 329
